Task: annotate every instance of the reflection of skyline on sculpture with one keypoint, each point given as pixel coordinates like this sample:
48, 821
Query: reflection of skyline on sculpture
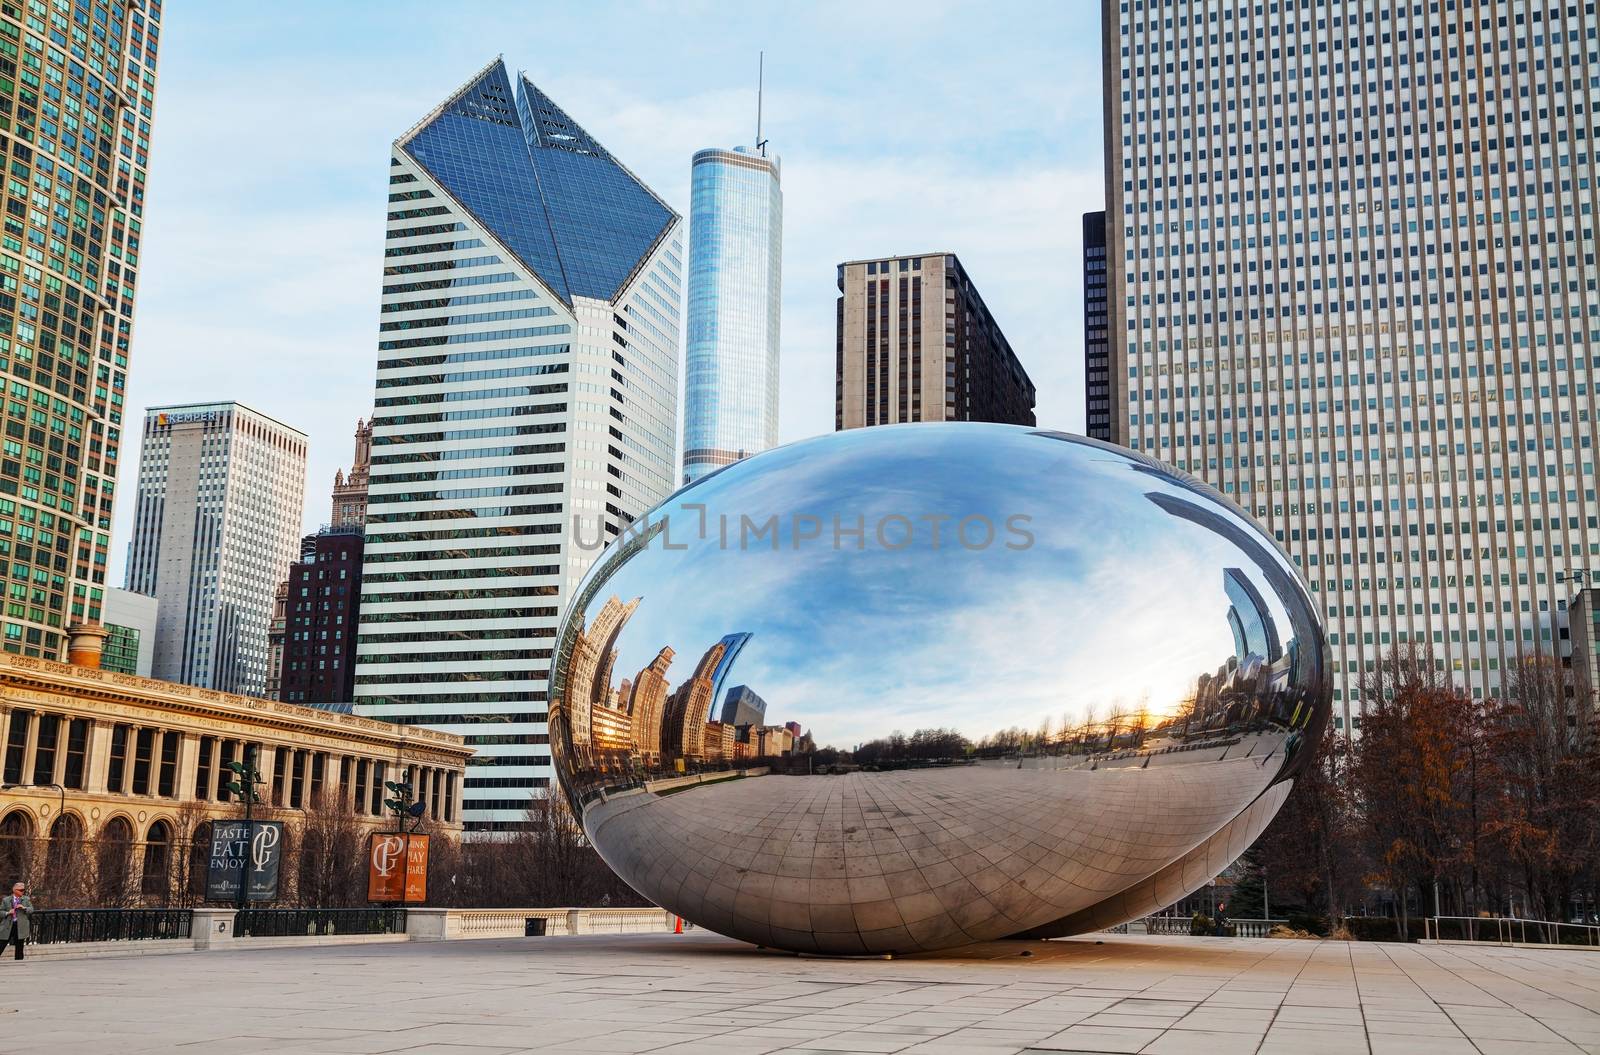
645, 724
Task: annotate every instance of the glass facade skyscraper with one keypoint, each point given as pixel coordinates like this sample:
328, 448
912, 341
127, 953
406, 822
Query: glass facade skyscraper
526, 410
1351, 266
735, 293
77, 92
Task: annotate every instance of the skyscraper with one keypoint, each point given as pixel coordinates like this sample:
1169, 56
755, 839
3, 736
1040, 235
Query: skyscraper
1352, 284
526, 410
320, 618
316, 611
730, 390
1096, 343
221, 494
77, 136
915, 342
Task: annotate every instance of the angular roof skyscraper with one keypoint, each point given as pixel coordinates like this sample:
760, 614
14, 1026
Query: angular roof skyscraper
548, 190
522, 265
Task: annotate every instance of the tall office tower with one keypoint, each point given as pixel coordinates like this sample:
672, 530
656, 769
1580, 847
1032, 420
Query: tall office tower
221, 494
320, 618
1096, 342
76, 146
526, 411
350, 492
1353, 286
730, 390
914, 342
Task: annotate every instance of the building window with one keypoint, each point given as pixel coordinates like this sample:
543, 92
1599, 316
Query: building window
77, 753
168, 784
44, 751
17, 746
143, 750
202, 769
116, 769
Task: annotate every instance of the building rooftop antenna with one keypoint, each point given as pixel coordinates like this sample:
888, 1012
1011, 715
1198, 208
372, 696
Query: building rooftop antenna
761, 70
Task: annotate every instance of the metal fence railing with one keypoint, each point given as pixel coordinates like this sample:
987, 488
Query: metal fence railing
59, 926
1233, 928
300, 922
1510, 931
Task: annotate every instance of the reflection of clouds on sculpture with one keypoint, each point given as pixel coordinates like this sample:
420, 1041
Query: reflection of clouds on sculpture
934, 639
1139, 590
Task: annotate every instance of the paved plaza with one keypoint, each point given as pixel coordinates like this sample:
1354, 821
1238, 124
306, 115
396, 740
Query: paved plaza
699, 993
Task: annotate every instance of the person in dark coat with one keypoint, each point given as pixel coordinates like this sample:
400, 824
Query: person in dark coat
16, 918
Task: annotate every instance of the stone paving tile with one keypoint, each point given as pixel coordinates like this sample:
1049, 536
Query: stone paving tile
1289, 1040
677, 995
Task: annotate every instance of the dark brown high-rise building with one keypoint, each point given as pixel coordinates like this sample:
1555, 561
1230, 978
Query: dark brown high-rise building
914, 342
319, 646
1096, 339
313, 635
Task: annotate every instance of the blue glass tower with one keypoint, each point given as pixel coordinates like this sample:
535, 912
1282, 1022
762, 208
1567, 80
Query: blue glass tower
735, 280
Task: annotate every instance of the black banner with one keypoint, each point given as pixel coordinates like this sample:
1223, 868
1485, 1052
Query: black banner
244, 851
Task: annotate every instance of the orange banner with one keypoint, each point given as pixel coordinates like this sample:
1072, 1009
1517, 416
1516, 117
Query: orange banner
397, 868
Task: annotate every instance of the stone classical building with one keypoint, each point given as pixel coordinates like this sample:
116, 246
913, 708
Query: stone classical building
95, 755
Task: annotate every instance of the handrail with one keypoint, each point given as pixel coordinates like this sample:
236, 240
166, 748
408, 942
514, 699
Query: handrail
59, 926
1511, 930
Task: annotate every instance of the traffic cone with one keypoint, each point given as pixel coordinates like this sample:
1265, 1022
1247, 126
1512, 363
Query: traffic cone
677, 927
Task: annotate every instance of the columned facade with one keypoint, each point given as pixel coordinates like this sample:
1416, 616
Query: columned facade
115, 749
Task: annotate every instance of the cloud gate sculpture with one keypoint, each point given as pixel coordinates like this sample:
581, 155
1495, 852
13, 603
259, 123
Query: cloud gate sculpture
904, 688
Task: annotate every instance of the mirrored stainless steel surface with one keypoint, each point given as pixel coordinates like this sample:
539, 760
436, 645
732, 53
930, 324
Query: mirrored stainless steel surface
908, 687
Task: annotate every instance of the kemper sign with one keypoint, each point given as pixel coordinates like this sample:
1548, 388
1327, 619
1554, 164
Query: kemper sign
164, 420
248, 852
397, 868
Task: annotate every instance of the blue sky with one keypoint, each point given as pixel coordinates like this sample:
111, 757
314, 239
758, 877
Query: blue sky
902, 128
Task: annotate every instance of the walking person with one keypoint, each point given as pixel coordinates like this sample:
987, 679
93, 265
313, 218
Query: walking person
16, 918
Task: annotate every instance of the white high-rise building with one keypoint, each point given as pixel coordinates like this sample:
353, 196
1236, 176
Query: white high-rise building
1352, 284
526, 410
221, 494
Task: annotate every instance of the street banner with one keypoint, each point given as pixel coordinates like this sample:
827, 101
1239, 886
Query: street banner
397, 868
247, 852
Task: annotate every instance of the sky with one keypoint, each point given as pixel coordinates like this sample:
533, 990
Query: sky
903, 128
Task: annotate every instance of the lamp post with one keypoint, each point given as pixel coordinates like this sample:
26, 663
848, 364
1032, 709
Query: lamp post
58, 787
246, 777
